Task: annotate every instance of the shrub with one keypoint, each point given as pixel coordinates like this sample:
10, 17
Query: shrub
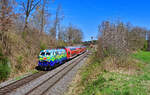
19, 63
145, 47
4, 71
4, 67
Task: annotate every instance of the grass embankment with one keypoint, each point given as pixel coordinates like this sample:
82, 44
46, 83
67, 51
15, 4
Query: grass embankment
107, 78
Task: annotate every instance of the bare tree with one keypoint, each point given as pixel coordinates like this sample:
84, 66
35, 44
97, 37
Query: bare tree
62, 35
36, 19
148, 40
137, 38
6, 21
70, 34
28, 7
6, 14
119, 39
74, 35
56, 26
78, 35
43, 13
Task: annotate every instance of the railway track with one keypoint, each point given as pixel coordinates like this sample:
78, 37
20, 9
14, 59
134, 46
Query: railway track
43, 86
10, 87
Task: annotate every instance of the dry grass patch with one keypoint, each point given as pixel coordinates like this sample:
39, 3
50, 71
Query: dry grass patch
23, 52
84, 76
130, 66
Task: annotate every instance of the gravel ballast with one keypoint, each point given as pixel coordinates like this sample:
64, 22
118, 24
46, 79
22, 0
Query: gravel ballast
59, 88
62, 86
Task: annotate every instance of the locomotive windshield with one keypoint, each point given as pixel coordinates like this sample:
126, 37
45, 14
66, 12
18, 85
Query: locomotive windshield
48, 53
45, 53
42, 53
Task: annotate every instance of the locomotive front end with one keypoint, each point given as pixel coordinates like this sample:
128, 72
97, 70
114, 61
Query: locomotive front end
46, 59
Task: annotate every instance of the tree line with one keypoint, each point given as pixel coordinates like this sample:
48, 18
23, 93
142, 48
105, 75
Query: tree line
29, 16
28, 26
120, 39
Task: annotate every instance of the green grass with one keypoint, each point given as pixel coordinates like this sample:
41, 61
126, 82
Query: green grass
118, 84
4, 67
142, 56
113, 83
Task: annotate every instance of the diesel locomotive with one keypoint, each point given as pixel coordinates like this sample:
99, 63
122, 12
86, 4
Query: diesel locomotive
51, 58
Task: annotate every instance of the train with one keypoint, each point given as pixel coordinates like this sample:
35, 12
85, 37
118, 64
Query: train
51, 58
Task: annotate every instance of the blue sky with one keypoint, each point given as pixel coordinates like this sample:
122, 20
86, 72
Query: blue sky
87, 14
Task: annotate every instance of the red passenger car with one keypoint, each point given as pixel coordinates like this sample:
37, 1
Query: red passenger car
79, 50
71, 52
83, 49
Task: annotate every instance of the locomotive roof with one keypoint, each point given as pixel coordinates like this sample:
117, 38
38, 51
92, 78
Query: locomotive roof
61, 49
75, 46
71, 47
50, 50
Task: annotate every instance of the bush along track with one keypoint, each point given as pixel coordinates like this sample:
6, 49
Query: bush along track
96, 78
4, 67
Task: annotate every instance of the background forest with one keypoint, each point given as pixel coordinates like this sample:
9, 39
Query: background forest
26, 27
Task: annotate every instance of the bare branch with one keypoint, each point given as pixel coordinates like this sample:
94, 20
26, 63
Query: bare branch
35, 5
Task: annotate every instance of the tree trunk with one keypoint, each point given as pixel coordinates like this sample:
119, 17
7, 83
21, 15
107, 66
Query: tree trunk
43, 12
148, 45
26, 24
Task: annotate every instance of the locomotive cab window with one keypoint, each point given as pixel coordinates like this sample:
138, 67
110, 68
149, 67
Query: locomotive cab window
48, 53
42, 53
